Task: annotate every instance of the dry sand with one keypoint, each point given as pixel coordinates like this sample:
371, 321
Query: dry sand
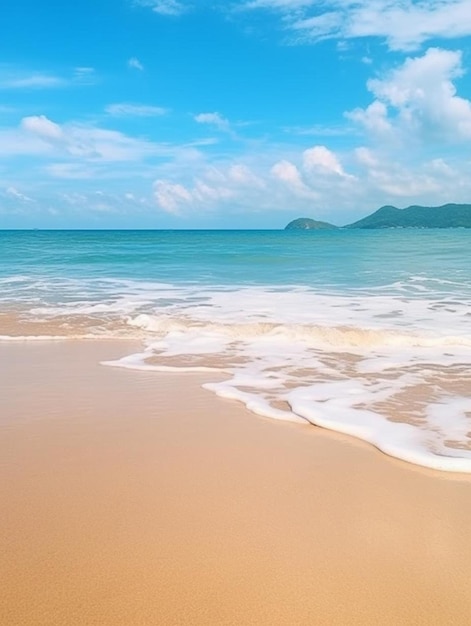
133, 498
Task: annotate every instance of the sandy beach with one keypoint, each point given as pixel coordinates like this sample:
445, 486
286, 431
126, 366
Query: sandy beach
137, 498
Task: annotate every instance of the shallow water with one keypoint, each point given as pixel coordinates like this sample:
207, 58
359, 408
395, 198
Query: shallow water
365, 332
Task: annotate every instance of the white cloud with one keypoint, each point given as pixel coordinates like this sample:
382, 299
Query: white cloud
171, 196
17, 78
164, 7
213, 119
127, 109
135, 64
234, 186
44, 128
323, 159
85, 75
317, 130
77, 141
242, 175
31, 81
405, 24
418, 100
374, 118
288, 174
279, 5
71, 171
316, 182
364, 156
16, 142
210, 188
394, 180
12, 192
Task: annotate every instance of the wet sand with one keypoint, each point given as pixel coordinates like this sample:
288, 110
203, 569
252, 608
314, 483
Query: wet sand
137, 498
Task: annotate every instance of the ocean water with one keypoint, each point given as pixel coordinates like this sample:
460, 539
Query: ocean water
363, 332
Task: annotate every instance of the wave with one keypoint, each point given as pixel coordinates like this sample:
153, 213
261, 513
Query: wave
332, 337
385, 366
404, 392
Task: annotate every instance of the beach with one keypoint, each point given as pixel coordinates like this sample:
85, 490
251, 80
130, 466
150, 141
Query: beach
133, 497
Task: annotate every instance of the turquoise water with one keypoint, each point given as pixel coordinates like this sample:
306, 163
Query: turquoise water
336, 258
367, 332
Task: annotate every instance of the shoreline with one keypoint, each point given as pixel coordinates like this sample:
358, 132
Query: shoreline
135, 497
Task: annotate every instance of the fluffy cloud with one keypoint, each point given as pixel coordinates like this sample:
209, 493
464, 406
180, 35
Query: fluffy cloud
419, 100
290, 177
404, 25
42, 127
322, 159
209, 190
171, 197
431, 181
263, 185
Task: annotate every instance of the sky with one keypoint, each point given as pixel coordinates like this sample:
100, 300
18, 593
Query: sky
230, 113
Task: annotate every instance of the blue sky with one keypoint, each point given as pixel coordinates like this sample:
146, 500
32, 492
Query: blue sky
230, 114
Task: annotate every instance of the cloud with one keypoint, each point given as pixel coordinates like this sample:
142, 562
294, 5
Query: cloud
127, 109
81, 142
288, 174
418, 100
322, 159
31, 81
262, 185
285, 6
42, 127
209, 189
318, 130
17, 78
101, 201
171, 196
71, 171
213, 119
389, 178
85, 75
164, 7
12, 192
135, 64
404, 25
240, 174
374, 118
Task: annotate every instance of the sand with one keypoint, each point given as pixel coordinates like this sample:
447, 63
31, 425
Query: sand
136, 498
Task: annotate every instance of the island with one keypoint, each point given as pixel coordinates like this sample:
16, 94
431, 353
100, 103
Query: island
445, 216
306, 223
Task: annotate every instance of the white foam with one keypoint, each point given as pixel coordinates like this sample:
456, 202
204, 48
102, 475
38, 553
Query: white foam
332, 358
333, 377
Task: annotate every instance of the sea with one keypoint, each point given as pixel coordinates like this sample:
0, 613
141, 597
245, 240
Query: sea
363, 332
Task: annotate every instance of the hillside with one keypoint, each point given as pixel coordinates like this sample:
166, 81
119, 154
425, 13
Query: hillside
446, 216
305, 223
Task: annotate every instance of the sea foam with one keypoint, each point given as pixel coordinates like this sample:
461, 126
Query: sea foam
396, 385
363, 333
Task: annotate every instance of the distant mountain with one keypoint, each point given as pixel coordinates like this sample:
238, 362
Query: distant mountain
305, 223
446, 216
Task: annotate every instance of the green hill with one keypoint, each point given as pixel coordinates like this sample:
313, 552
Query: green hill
446, 216
305, 223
